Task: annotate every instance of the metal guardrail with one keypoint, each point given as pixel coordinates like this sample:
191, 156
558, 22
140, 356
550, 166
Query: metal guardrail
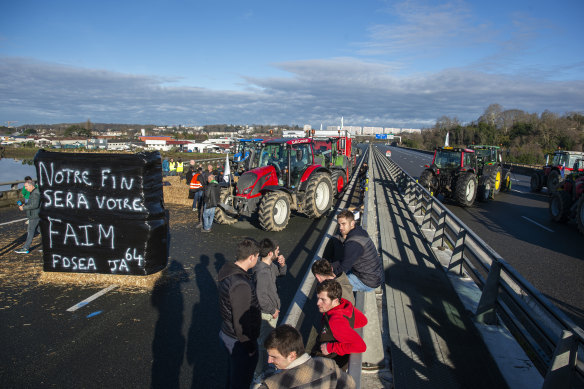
551, 340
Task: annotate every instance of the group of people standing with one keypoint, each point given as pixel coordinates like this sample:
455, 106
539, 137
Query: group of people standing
250, 308
206, 193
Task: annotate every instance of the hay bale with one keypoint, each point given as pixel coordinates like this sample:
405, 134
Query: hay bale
176, 191
127, 283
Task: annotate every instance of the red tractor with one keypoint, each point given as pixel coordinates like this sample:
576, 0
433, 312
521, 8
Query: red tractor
567, 202
287, 178
554, 173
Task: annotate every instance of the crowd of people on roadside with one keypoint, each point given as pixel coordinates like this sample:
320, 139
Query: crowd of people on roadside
265, 355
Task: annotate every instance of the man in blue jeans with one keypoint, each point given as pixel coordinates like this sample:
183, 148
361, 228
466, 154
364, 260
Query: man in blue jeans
32, 209
210, 201
358, 257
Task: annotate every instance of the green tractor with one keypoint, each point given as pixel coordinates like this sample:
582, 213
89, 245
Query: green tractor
492, 172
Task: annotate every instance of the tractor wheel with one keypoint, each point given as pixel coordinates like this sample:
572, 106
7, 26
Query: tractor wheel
428, 180
496, 181
506, 183
339, 180
466, 189
274, 211
580, 214
536, 182
221, 216
485, 189
554, 181
319, 195
560, 206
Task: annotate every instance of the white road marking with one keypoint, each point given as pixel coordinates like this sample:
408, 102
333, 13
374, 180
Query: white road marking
91, 298
537, 224
14, 221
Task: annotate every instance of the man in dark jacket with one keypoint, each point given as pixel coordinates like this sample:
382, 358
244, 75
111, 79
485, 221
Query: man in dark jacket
32, 209
359, 258
240, 312
210, 200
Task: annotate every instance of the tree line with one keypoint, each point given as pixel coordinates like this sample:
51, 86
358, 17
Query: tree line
524, 137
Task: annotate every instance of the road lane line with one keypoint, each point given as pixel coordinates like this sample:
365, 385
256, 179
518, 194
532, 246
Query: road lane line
537, 224
91, 298
14, 221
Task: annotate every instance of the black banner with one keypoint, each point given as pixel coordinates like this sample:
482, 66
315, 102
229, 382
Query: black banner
102, 213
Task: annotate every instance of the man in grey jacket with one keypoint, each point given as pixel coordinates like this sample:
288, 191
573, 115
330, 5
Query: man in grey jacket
271, 266
32, 209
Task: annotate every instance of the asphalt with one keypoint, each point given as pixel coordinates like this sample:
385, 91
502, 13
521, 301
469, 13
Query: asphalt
517, 225
163, 337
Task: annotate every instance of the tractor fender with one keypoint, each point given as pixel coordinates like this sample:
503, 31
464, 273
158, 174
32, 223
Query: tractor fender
275, 188
309, 173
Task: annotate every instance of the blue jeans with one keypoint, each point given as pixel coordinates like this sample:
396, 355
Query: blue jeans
31, 231
197, 199
208, 215
357, 284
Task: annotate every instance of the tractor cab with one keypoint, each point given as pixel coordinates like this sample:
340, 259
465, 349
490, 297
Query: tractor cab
448, 158
245, 157
487, 154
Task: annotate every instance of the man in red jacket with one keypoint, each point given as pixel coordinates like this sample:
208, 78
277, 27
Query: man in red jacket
338, 338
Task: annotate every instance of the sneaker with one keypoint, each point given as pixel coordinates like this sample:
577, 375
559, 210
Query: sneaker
21, 251
200, 225
26, 222
204, 230
194, 209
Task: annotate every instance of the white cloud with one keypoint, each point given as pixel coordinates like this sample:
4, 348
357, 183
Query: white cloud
316, 91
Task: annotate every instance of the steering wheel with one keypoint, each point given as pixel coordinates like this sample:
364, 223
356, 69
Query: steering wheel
276, 166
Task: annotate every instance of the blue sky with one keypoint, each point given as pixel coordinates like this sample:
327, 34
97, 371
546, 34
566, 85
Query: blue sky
381, 63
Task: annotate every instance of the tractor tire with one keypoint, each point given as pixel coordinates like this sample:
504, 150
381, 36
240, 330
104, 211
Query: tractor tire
506, 183
580, 214
554, 181
339, 180
496, 177
274, 211
221, 216
536, 182
319, 195
466, 189
428, 180
485, 189
560, 204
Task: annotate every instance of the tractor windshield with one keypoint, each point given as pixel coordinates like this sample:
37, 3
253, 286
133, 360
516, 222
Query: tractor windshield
487, 155
561, 159
273, 154
447, 159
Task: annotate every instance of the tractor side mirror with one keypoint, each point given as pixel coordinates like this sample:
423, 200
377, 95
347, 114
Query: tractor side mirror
547, 159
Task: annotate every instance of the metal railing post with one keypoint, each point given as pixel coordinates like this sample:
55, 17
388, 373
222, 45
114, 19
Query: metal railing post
457, 257
427, 219
561, 370
441, 232
486, 311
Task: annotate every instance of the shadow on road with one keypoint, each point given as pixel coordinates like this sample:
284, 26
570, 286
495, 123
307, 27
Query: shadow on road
168, 346
203, 336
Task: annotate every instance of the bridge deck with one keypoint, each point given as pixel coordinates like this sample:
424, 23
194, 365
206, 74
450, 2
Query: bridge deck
433, 341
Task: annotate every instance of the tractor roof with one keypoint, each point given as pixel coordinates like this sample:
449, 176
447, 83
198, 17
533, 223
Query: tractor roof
581, 153
288, 141
454, 149
477, 147
252, 140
